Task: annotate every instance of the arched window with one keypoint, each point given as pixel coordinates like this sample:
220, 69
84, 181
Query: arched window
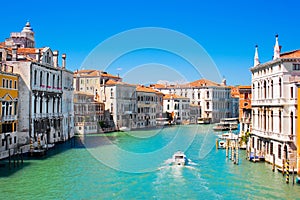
58, 85
280, 85
111, 92
35, 77
271, 121
271, 89
47, 80
41, 79
265, 89
259, 120
292, 123
53, 81
280, 116
41, 105
258, 91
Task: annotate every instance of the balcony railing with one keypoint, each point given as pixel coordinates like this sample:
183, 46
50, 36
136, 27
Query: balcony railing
274, 136
9, 118
47, 88
246, 120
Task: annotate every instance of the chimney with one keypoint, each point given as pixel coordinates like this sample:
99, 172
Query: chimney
55, 59
64, 56
14, 53
37, 55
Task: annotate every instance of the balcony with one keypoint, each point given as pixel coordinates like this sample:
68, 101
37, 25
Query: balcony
47, 115
246, 120
8, 118
274, 136
47, 88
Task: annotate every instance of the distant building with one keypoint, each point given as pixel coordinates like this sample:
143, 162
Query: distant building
178, 106
245, 109
194, 114
88, 113
213, 99
89, 83
90, 80
274, 106
121, 100
149, 106
41, 95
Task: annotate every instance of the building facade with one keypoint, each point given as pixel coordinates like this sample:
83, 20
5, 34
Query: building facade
89, 112
149, 106
213, 100
121, 100
40, 89
274, 106
10, 139
178, 106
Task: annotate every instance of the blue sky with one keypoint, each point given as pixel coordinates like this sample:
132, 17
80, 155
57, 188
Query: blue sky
227, 30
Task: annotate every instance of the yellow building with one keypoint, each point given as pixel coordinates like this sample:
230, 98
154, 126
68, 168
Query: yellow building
8, 108
298, 133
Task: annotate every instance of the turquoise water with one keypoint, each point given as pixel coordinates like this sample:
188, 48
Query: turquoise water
136, 167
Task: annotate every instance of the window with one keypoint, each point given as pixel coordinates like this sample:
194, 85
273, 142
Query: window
207, 94
41, 105
168, 107
35, 77
271, 148
112, 93
35, 105
41, 79
53, 81
15, 85
280, 121
15, 108
58, 86
271, 88
47, 80
207, 105
292, 92
3, 83
279, 87
292, 123
246, 96
111, 107
279, 151
296, 66
198, 95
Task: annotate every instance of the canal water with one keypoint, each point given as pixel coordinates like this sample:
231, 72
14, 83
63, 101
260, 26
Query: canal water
135, 165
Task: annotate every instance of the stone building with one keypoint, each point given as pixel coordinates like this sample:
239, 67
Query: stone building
178, 106
121, 100
213, 99
88, 113
41, 95
9, 89
274, 106
149, 106
89, 82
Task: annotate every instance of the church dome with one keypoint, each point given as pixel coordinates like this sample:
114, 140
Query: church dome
27, 28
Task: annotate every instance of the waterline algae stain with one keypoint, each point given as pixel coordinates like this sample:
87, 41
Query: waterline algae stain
75, 173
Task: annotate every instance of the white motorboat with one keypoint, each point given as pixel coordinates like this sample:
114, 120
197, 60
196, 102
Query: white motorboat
179, 158
124, 128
